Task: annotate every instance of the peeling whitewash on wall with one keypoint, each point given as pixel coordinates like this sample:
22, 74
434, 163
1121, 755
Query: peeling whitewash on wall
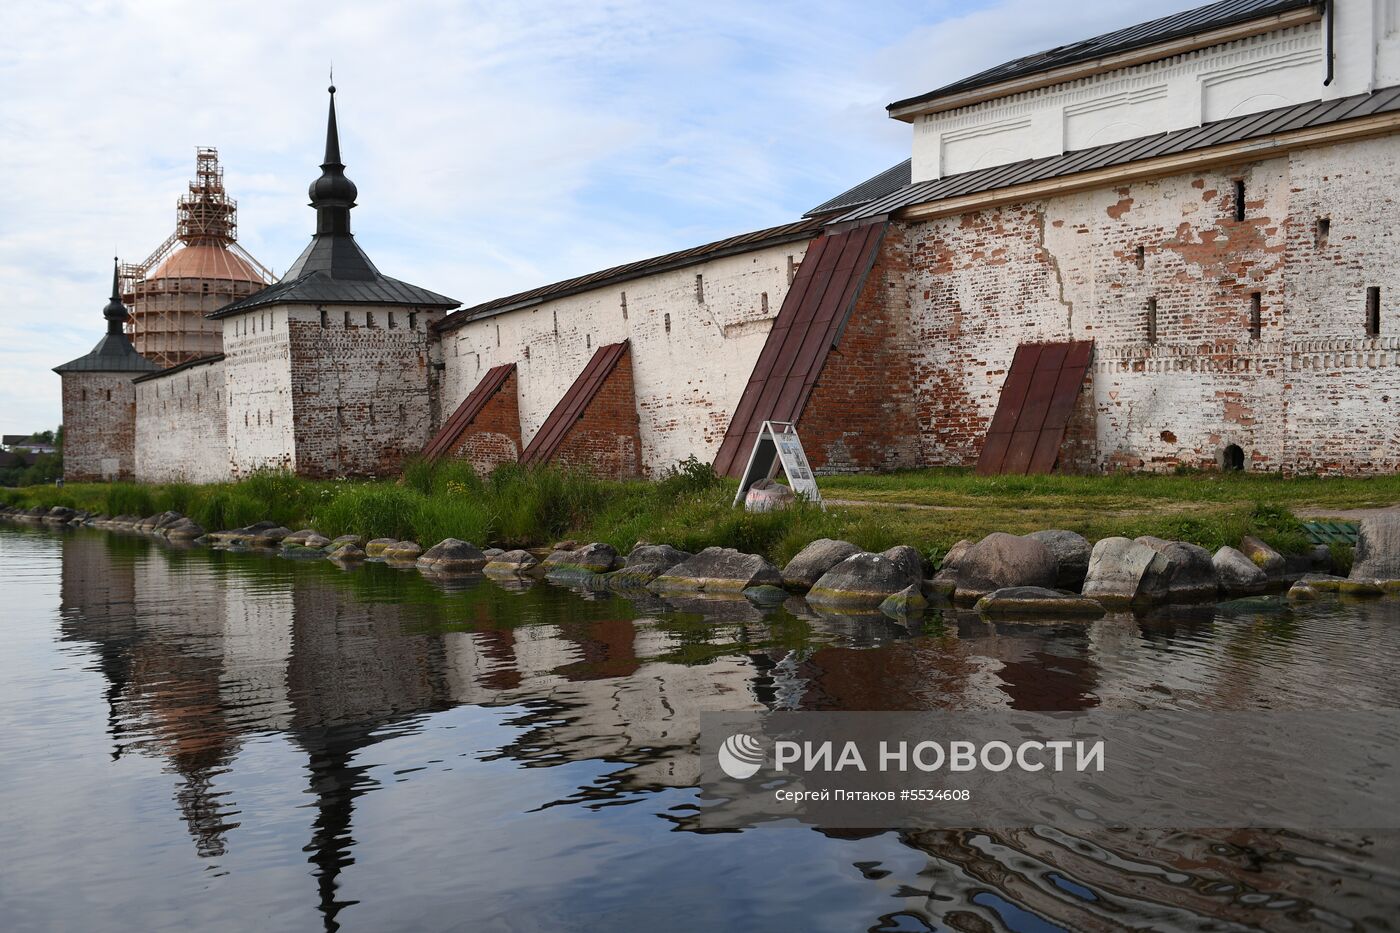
1313, 391
259, 391
694, 345
182, 427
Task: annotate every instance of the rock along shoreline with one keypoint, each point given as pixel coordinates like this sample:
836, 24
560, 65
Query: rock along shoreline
1051, 575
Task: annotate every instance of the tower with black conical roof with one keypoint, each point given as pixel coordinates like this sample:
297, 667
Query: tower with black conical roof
327, 369
99, 401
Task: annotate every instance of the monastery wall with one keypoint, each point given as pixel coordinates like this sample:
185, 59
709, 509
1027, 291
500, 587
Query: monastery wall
99, 427
182, 426
359, 382
1310, 390
694, 342
259, 391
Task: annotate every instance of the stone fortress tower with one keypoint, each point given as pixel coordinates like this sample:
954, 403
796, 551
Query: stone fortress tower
99, 401
197, 270
327, 371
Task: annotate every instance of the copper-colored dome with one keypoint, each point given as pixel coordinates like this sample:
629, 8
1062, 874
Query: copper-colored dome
206, 261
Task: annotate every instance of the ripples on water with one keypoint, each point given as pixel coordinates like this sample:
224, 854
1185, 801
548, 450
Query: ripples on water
235, 741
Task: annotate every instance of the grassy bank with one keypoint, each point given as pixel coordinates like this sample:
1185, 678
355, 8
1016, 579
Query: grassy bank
690, 508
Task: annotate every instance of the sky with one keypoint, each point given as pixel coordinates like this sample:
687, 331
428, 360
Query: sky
496, 146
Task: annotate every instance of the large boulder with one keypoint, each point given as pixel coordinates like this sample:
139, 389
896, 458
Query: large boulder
861, 581
511, 563
342, 540
768, 495
1071, 552
581, 563
814, 560
645, 564
299, 538
1378, 548
910, 559
904, 605
1030, 601
377, 546
59, 515
402, 552
717, 570
1264, 557
452, 555
186, 529
945, 580
1237, 575
346, 553
1123, 572
1000, 560
1191, 574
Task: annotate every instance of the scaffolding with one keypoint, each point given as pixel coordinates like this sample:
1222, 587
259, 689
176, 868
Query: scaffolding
169, 304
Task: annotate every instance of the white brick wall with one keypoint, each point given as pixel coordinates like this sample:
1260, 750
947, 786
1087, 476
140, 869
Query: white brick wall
182, 427
689, 376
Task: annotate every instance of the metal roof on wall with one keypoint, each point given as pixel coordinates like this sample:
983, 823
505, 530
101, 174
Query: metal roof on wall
808, 325
771, 236
547, 440
113, 354
1141, 35
1220, 132
1033, 411
179, 367
466, 412
887, 182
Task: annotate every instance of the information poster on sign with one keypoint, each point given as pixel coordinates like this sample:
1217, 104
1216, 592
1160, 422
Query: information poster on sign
777, 446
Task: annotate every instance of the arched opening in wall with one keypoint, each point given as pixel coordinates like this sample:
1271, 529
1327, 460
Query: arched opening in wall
1232, 458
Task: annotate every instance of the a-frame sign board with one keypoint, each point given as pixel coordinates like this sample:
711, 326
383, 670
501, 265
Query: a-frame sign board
778, 445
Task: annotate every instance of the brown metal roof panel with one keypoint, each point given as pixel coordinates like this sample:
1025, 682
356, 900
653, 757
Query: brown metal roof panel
1037, 400
545, 444
467, 412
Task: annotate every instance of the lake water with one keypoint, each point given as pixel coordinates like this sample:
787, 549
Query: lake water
235, 741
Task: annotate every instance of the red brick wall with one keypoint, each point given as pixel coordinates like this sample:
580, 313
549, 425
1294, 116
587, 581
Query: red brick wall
493, 436
860, 416
607, 439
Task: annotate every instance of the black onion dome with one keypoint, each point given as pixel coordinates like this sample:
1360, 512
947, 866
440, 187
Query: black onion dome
115, 312
332, 188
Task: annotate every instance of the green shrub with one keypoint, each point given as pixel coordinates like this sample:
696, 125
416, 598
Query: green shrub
227, 509
130, 499
375, 510
1343, 556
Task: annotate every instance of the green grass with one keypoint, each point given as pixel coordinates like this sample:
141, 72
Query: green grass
690, 507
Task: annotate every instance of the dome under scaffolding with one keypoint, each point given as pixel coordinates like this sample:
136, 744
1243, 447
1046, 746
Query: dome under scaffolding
197, 270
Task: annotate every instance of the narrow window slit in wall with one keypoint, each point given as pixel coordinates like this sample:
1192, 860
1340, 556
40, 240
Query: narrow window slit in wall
1324, 230
325, 319
556, 322
588, 341
85, 395
413, 320
792, 270
763, 303
624, 306
347, 318
371, 413
1256, 315
369, 318
668, 322
1373, 311
1141, 256
1152, 320
1239, 199
700, 288
498, 335
391, 320
109, 395
478, 361
527, 351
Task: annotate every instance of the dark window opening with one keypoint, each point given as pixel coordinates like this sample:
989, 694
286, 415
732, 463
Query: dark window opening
1324, 230
763, 302
1141, 256
1373, 311
325, 319
556, 322
369, 318
1256, 315
1152, 320
588, 341
391, 320
792, 270
668, 322
347, 318
1232, 458
624, 306
413, 320
498, 335
85, 395
1239, 199
700, 289
109, 395
527, 351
